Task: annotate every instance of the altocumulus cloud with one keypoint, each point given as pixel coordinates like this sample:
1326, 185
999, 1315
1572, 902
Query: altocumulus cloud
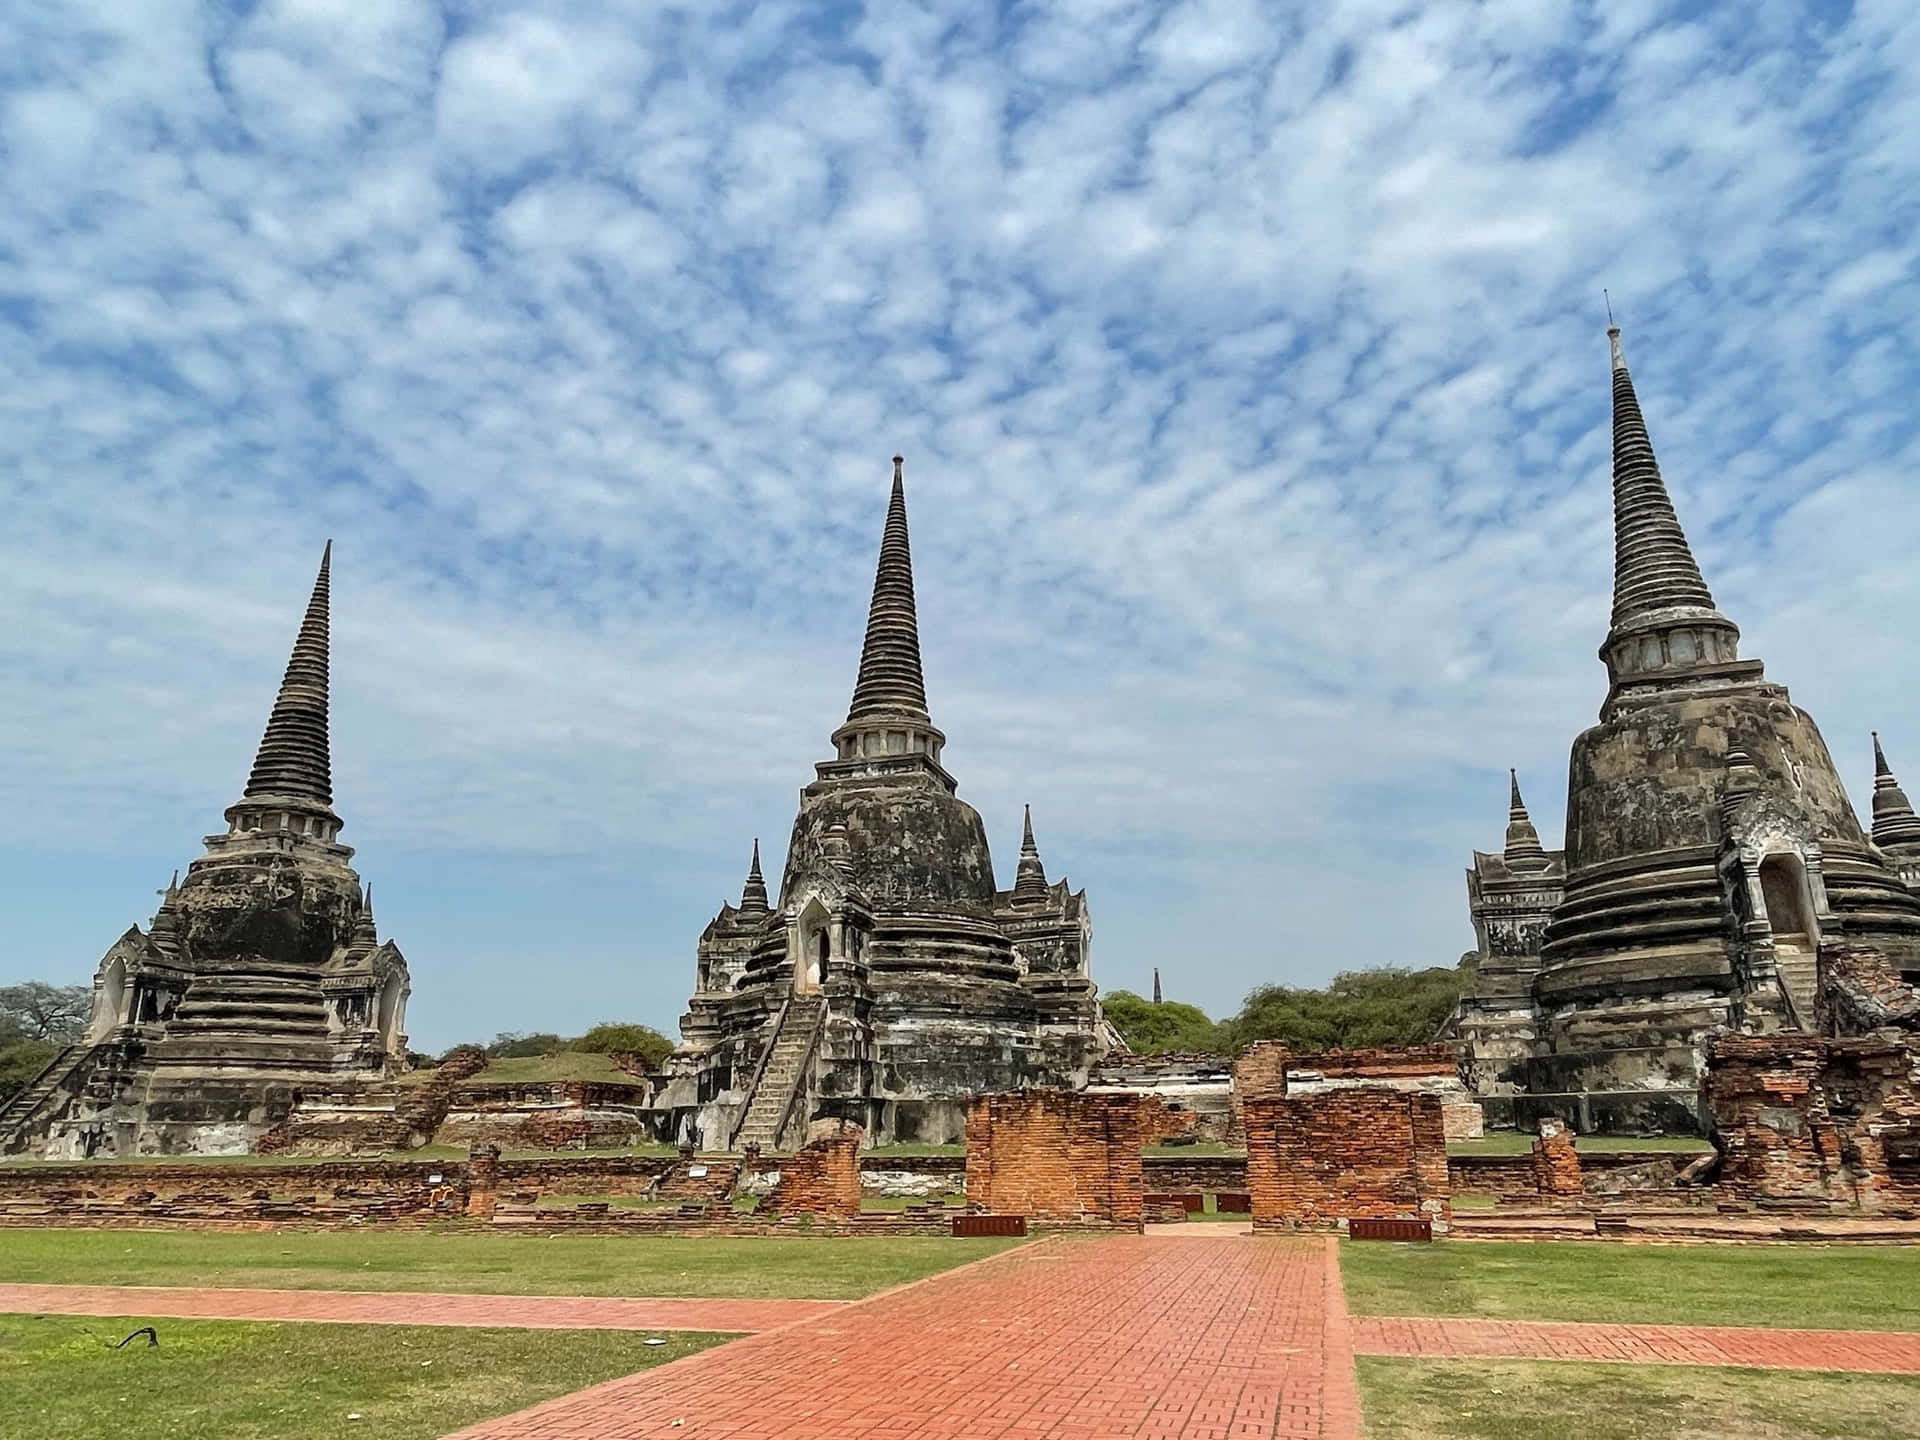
1246, 357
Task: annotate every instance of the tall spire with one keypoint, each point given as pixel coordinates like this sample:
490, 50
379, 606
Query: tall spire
1156, 985
1030, 879
890, 682
753, 895
1664, 620
1894, 822
1523, 851
293, 763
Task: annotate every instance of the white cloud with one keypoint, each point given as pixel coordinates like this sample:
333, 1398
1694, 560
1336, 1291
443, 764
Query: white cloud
1247, 365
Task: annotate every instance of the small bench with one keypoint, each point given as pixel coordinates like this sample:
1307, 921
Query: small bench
976, 1225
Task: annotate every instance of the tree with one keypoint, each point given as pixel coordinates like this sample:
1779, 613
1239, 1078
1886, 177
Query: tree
515, 1045
24, 1051
1358, 1009
645, 1041
1159, 1029
39, 1011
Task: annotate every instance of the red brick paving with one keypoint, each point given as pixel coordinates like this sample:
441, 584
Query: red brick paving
1868, 1351
1079, 1338
355, 1307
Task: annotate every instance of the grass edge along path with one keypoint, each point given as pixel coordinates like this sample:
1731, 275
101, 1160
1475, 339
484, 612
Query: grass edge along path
718, 1267
1852, 1287
244, 1380
1552, 1400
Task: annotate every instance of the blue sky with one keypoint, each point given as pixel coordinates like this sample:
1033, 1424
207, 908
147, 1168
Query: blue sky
1247, 359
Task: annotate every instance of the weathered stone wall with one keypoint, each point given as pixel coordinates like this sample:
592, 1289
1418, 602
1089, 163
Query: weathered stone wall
822, 1177
1317, 1161
1056, 1157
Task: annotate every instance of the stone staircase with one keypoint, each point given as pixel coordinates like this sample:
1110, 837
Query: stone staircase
789, 1060
1800, 978
30, 1106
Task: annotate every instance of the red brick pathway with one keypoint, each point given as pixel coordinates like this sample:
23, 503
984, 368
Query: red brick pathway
1081, 1338
357, 1307
1876, 1351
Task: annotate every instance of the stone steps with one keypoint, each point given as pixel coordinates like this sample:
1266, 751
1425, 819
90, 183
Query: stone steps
25, 1111
1800, 978
773, 1096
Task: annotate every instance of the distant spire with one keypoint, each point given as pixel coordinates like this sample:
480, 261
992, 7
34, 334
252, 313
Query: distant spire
165, 930
1894, 822
293, 762
753, 895
365, 935
1523, 851
1657, 585
890, 682
1156, 985
1030, 879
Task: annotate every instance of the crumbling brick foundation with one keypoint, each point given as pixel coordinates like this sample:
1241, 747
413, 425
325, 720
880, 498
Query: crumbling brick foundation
1057, 1157
1317, 1161
1826, 1122
822, 1177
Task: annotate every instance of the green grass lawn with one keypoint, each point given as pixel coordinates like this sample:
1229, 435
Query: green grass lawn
227, 1380
825, 1268
1864, 1287
1535, 1400
1513, 1142
527, 1069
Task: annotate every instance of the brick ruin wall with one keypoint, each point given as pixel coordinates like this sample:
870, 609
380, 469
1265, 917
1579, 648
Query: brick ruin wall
1057, 1157
1316, 1161
822, 1178
1800, 1118
1431, 1068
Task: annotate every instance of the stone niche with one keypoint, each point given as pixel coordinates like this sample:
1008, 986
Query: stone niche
1057, 1157
1320, 1159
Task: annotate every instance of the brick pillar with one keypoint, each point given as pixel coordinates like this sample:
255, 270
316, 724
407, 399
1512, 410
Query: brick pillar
1261, 1069
483, 1180
1556, 1164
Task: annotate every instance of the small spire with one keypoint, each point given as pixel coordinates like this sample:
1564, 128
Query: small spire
753, 895
294, 761
1156, 985
890, 680
1894, 823
165, 930
365, 935
1524, 851
1030, 879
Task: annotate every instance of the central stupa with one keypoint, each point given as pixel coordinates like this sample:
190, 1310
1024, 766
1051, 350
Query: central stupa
894, 980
